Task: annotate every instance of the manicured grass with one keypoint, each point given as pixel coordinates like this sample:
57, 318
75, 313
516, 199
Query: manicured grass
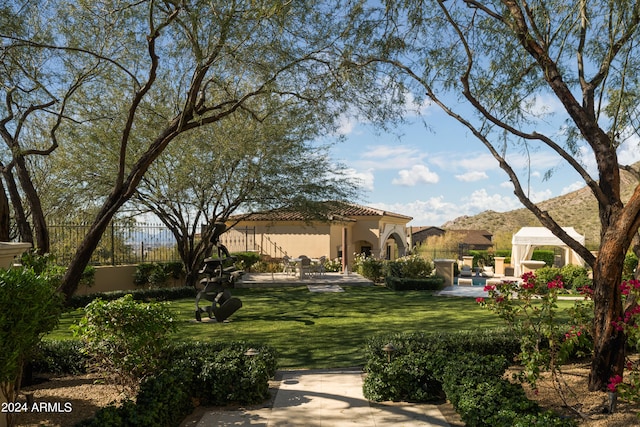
324, 330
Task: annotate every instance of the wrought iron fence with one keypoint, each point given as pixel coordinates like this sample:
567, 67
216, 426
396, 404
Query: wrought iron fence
122, 243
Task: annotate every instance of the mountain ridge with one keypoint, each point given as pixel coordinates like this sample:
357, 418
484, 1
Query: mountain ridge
577, 209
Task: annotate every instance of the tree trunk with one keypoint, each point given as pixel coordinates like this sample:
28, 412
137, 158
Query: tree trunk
5, 216
24, 229
609, 344
42, 243
85, 250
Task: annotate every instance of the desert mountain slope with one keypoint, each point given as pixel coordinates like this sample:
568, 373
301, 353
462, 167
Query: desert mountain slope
577, 209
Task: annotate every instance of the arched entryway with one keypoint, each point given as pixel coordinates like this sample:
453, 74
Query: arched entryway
393, 242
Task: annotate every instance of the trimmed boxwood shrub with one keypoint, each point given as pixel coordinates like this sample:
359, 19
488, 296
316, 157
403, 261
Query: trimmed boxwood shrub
433, 283
222, 372
575, 276
59, 357
156, 274
475, 386
416, 367
630, 265
161, 294
211, 373
246, 259
543, 255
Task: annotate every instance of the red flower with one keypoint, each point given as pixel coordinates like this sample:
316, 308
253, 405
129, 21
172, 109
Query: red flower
556, 283
613, 383
528, 285
480, 300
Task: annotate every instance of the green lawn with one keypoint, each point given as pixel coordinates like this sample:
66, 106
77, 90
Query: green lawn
323, 330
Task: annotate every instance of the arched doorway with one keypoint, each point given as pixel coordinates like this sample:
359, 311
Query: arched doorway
393, 242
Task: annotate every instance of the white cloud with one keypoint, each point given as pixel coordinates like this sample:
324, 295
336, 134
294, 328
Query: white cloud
387, 151
480, 201
572, 187
588, 160
365, 179
385, 157
346, 125
629, 151
540, 196
436, 210
541, 105
418, 174
456, 161
472, 176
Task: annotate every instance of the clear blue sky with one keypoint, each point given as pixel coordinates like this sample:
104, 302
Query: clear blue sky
439, 173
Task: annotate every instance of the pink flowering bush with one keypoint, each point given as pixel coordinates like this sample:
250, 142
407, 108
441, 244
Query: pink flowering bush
546, 341
628, 324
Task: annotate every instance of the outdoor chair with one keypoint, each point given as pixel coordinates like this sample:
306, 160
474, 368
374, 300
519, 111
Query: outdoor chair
466, 271
487, 271
304, 265
318, 267
288, 267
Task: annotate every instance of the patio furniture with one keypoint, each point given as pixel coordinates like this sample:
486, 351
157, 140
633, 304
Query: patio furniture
466, 271
317, 267
288, 266
304, 265
487, 271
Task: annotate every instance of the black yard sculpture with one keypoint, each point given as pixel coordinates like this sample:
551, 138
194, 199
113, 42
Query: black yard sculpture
221, 275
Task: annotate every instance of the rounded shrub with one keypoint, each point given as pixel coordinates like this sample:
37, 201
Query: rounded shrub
575, 276
31, 307
126, 339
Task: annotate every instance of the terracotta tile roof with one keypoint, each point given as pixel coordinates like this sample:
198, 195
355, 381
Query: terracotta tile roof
474, 237
335, 211
418, 228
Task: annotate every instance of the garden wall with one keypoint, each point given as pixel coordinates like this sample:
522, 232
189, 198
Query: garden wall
117, 278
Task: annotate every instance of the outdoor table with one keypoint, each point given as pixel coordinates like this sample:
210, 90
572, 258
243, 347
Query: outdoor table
298, 262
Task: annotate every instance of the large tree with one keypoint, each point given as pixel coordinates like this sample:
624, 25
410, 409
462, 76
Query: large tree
240, 164
487, 64
161, 68
33, 107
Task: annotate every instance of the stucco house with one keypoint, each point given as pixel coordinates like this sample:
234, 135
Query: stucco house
346, 227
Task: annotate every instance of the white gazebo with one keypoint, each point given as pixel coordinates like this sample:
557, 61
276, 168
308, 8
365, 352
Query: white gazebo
528, 238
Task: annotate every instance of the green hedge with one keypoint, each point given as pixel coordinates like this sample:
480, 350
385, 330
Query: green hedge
59, 357
414, 371
544, 255
246, 259
475, 386
161, 294
465, 367
401, 284
156, 274
212, 373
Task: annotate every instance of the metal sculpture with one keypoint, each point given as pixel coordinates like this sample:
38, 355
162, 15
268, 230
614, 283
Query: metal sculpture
221, 275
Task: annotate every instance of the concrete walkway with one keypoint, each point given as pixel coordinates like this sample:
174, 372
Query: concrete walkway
325, 398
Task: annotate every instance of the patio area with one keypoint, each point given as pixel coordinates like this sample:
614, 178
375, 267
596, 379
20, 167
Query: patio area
270, 280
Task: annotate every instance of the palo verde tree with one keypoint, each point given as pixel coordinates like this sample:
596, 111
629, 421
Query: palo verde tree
488, 64
162, 68
240, 164
35, 93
